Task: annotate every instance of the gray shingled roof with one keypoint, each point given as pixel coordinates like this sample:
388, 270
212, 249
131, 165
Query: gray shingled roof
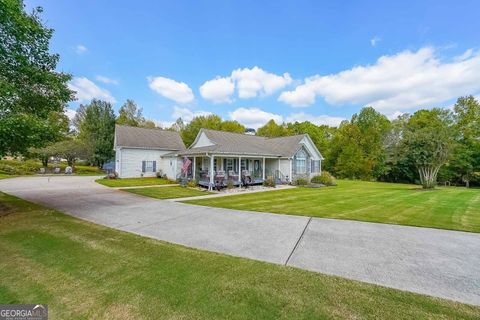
135, 137
238, 143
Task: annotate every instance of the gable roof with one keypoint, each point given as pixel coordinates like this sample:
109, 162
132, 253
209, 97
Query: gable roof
239, 143
145, 138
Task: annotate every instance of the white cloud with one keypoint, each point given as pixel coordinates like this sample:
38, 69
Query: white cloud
218, 90
186, 114
70, 113
86, 90
254, 117
375, 40
394, 83
249, 83
106, 80
179, 92
255, 81
81, 49
318, 120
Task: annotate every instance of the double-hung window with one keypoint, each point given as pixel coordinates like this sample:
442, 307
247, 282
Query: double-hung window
148, 166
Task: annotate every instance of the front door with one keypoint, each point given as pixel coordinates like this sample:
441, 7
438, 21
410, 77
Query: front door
257, 170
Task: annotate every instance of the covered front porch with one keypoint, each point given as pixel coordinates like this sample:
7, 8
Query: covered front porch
218, 171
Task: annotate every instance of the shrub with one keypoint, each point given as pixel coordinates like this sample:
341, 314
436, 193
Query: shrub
230, 184
160, 174
192, 183
324, 178
269, 182
301, 182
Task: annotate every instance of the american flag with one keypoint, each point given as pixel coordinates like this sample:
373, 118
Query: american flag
186, 164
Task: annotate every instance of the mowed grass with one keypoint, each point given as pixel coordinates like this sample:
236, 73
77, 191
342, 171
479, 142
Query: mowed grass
168, 192
445, 208
134, 182
86, 271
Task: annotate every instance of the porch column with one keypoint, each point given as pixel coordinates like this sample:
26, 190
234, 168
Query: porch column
291, 169
263, 169
194, 167
239, 169
210, 187
279, 164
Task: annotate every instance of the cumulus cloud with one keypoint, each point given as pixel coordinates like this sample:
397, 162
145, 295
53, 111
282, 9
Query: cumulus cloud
250, 83
106, 80
81, 49
187, 114
255, 81
86, 90
218, 90
179, 92
318, 120
394, 83
253, 117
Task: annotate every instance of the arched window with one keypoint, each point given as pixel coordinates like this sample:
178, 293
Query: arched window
301, 162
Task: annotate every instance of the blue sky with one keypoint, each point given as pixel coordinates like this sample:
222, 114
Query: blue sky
255, 60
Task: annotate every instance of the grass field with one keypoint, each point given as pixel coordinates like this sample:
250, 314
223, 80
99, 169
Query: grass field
168, 192
445, 208
86, 271
134, 182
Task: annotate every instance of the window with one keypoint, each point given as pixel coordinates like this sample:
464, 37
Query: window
301, 162
229, 166
315, 166
148, 166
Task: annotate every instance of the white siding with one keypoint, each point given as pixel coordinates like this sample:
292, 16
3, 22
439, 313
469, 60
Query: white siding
128, 162
202, 141
312, 150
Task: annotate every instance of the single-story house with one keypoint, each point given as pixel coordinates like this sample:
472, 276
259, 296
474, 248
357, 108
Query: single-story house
229, 156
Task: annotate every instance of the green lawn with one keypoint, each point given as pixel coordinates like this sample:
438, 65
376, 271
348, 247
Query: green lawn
133, 182
445, 208
32, 167
168, 192
5, 176
86, 271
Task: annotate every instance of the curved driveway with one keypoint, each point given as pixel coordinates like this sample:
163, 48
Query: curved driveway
435, 262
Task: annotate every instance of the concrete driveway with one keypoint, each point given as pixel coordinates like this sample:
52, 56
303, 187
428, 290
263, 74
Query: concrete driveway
440, 263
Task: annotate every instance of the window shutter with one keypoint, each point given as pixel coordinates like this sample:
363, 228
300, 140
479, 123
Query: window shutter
224, 164
143, 166
154, 166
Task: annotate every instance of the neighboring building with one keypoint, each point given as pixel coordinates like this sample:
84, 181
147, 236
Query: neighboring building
140, 152
228, 155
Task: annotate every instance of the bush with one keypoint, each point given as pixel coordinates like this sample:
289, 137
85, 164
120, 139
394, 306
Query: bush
192, 183
160, 174
230, 184
301, 182
324, 178
269, 182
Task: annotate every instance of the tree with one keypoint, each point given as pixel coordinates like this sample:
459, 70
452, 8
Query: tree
32, 94
43, 154
96, 125
466, 156
70, 149
428, 142
214, 122
271, 129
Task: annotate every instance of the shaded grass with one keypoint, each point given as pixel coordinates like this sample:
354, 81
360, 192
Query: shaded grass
445, 208
168, 192
133, 182
85, 271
